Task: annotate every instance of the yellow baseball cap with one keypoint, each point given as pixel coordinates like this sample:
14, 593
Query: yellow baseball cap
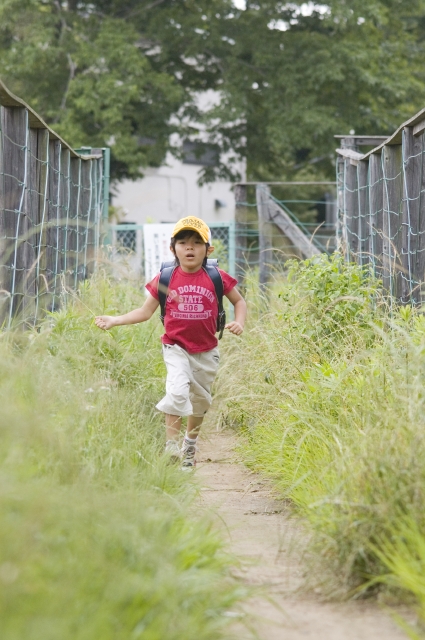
195, 224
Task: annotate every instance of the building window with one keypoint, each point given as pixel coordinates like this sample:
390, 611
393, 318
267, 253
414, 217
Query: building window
200, 153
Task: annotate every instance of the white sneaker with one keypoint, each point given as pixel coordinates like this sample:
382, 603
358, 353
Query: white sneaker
172, 449
188, 456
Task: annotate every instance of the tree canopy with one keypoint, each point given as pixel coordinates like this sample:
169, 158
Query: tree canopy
126, 74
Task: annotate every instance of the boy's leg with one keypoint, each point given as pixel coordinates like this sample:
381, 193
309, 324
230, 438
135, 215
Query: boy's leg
173, 425
176, 402
189, 442
193, 426
204, 370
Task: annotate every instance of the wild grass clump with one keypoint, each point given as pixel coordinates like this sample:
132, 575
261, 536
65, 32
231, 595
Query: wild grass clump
98, 538
327, 390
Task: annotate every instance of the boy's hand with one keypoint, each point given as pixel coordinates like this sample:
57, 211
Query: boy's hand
104, 322
234, 327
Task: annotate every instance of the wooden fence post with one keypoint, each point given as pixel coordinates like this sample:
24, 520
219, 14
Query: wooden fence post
85, 216
91, 222
13, 223
74, 216
241, 222
32, 202
43, 194
410, 231
265, 233
376, 196
391, 228
52, 232
64, 203
363, 227
419, 263
352, 208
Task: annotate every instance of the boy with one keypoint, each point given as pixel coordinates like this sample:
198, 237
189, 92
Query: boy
189, 343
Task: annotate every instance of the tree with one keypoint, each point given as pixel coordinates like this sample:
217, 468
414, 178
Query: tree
91, 70
126, 73
292, 81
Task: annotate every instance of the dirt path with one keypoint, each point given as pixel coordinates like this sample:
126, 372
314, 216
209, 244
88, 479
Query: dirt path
266, 541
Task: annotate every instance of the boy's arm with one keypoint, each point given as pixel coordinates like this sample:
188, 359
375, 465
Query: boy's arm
133, 317
239, 304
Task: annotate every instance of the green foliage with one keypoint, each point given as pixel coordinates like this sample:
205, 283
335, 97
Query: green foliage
292, 81
126, 74
98, 536
327, 392
86, 76
325, 294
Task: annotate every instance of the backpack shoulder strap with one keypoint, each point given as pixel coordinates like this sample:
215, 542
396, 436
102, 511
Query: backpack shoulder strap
163, 284
216, 278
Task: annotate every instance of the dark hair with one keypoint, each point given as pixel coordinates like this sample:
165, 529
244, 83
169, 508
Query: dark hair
182, 235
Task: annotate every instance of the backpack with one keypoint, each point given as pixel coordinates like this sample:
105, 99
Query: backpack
210, 268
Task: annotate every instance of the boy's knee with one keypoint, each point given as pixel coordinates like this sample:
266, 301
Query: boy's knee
200, 405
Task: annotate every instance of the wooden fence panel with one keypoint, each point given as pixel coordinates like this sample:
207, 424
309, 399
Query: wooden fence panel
32, 213
396, 186
40, 232
265, 233
43, 195
241, 229
74, 219
52, 233
419, 265
91, 222
391, 228
412, 186
363, 226
64, 198
86, 196
376, 211
13, 224
351, 209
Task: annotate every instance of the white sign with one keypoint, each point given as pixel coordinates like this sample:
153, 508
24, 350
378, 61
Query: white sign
156, 239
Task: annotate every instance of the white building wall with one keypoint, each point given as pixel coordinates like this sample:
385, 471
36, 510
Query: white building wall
172, 192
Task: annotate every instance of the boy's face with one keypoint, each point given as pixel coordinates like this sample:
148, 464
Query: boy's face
191, 251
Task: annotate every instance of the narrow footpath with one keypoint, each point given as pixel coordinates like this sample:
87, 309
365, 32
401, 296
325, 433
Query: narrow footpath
269, 543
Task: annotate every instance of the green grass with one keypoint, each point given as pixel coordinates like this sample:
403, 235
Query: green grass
327, 391
98, 535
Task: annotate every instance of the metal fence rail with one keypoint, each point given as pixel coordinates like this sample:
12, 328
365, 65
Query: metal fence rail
52, 201
381, 205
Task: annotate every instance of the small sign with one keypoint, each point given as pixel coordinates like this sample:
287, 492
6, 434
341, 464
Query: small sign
156, 238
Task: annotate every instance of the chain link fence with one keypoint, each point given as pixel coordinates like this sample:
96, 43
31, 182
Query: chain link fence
52, 202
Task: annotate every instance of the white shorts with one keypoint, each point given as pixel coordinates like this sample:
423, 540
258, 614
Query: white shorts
189, 380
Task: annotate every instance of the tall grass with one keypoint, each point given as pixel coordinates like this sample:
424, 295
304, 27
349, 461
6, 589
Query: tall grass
327, 390
98, 535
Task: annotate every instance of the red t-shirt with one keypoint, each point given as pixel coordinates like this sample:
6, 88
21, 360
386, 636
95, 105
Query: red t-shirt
191, 309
